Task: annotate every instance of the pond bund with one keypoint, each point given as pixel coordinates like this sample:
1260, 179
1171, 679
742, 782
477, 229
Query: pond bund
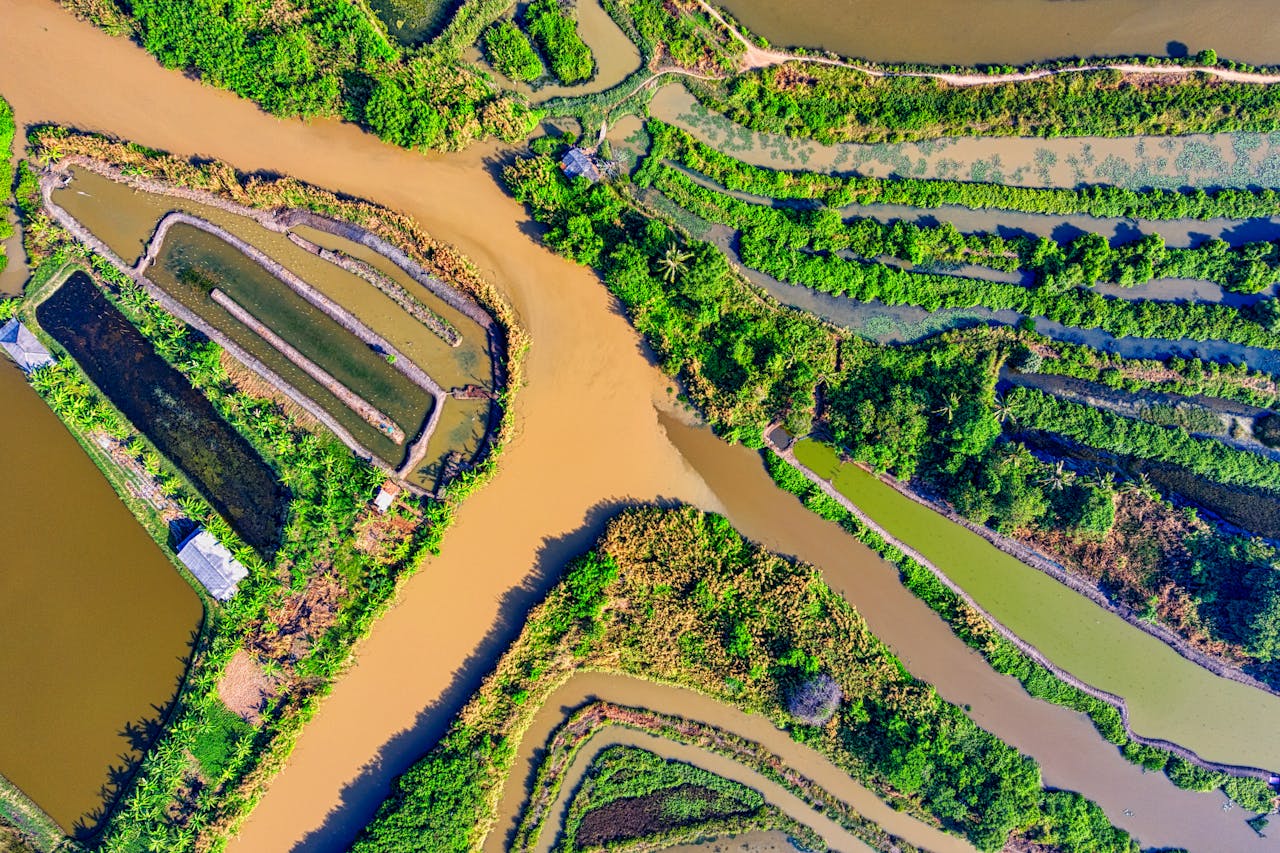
283, 221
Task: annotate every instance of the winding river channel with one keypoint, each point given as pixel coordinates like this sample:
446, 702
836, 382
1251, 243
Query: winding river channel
598, 429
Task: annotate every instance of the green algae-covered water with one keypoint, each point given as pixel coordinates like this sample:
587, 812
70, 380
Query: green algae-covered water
1168, 696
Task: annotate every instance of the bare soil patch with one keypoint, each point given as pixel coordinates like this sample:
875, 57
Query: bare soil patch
245, 688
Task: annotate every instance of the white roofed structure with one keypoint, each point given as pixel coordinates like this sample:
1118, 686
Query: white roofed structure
23, 347
212, 564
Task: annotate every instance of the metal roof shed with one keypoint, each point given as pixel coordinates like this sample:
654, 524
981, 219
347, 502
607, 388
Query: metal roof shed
212, 564
577, 163
23, 347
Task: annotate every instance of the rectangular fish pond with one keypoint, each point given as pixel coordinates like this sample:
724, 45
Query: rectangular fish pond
163, 405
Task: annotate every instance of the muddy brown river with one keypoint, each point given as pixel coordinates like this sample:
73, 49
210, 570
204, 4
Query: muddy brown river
594, 434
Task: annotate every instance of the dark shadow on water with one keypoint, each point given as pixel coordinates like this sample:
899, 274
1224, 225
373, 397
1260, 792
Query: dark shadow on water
139, 737
1176, 50
362, 796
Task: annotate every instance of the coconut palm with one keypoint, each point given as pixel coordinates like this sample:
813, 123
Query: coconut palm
1004, 411
1058, 477
673, 262
948, 408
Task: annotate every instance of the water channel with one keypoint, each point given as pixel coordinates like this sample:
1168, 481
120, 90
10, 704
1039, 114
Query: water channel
1016, 31
81, 673
590, 439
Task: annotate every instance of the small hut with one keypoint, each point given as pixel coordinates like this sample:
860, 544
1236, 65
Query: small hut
212, 564
579, 164
23, 347
385, 496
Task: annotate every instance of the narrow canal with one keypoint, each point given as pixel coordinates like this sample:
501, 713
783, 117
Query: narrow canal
590, 439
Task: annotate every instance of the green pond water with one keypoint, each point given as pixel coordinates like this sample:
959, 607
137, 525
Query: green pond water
1168, 696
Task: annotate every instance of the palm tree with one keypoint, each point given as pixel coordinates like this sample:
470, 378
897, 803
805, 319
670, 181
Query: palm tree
948, 409
1004, 411
673, 262
1059, 477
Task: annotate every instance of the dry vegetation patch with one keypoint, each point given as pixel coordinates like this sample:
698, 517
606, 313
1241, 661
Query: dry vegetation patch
245, 687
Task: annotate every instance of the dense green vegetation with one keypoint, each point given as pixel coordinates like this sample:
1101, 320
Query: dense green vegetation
329, 58
556, 32
803, 247
674, 144
222, 735
6, 174
1188, 377
510, 52
1034, 409
678, 596
630, 797
1087, 260
834, 104
689, 38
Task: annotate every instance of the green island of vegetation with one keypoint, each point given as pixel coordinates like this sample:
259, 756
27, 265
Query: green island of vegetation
632, 799
678, 596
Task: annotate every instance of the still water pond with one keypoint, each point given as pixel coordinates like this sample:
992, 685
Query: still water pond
95, 622
160, 402
1017, 31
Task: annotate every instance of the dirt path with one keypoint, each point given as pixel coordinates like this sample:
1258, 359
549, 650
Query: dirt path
757, 57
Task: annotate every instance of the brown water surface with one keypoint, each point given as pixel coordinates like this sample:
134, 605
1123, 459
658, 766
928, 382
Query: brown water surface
589, 439
95, 622
1017, 31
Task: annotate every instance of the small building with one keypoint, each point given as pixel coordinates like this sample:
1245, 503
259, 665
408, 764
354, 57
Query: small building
23, 347
578, 163
212, 564
386, 495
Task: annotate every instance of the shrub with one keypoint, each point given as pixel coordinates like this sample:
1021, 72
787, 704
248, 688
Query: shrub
510, 52
1267, 430
557, 35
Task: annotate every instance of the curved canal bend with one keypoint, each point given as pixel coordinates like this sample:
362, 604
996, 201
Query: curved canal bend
591, 440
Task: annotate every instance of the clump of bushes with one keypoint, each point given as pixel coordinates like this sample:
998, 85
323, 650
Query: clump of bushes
556, 33
510, 52
1267, 430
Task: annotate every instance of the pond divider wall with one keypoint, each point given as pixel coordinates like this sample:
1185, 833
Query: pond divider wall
350, 399
390, 288
1118, 702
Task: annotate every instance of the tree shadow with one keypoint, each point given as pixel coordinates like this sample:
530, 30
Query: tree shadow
140, 736
361, 796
